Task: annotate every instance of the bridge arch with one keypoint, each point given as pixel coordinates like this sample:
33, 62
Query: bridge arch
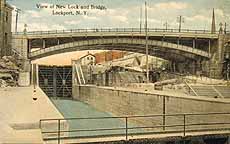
157, 48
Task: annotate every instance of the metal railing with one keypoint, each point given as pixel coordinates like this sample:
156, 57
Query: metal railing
181, 124
190, 89
16, 52
95, 30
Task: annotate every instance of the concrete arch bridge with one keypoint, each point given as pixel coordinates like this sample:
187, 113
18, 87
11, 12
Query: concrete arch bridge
190, 46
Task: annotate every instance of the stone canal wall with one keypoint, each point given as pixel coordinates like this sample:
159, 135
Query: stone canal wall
121, 102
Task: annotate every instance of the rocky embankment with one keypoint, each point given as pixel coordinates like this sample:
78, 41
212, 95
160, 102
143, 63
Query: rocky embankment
9, 71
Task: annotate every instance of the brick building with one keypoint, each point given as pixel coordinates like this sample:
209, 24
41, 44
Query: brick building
5, 28
108, 56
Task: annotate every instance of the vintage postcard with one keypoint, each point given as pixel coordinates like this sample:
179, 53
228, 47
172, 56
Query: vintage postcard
115, 71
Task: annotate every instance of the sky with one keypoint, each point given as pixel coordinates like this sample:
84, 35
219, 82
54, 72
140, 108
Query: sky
197, 14
121, 13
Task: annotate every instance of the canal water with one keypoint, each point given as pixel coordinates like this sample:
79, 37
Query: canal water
76, 109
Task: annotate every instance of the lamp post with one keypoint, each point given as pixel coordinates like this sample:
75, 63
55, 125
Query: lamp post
221, 28
166, 24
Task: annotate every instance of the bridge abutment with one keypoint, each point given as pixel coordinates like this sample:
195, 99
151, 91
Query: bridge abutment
20, 45
25, 74
216, 61
194, 67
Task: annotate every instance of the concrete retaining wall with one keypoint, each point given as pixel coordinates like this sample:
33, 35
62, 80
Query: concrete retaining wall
121, 103
24, 79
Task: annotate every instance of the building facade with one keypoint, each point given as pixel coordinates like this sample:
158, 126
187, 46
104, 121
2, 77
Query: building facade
109, 56
5, 28
86, 60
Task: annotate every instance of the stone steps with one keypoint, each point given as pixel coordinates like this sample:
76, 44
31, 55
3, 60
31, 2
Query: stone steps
225, 91
212, 91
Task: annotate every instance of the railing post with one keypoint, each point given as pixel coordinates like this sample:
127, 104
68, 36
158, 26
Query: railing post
126, 128
184, 124
164, 112
59, 128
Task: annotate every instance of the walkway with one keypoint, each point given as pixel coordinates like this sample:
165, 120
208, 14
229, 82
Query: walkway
20, 114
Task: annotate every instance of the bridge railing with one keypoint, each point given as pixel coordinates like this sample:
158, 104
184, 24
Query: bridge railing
130, 126
114, 30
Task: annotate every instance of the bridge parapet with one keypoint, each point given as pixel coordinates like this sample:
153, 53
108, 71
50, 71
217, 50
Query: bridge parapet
116, 30
119, 31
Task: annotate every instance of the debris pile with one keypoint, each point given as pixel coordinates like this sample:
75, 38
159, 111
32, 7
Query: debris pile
9, 71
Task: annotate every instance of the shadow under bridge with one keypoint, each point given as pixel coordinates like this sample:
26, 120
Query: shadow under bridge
166, 50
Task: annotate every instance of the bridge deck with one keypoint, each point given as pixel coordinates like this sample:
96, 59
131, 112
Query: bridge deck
119, 32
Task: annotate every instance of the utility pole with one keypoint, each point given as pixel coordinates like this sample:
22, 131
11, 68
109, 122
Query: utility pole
146, 43
140, 18
225, 28
180, 20
16, 22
